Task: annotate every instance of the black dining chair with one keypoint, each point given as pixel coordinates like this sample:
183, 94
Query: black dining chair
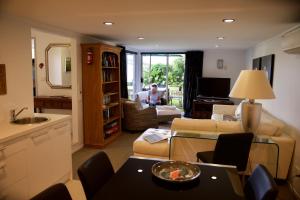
58, 192
260, 185
231, 149
94, 173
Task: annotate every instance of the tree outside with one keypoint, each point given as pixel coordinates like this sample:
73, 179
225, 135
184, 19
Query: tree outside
157, 74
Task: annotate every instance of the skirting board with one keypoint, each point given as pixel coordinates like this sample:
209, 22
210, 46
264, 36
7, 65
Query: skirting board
76, 147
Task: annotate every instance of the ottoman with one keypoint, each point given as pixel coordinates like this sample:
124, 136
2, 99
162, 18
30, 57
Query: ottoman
157, 150
167, 113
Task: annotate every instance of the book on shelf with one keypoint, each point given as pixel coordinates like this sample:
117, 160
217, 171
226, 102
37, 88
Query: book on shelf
106, 114
111, 131
106, 100
109, 60
111, 128
107, 76
110, 125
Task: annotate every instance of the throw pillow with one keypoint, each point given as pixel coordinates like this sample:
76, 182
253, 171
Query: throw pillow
238, 110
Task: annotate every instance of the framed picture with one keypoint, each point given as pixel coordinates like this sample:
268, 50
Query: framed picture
256, 63
68, 64
267, 64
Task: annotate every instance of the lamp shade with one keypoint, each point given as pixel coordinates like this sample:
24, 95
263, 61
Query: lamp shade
252, 84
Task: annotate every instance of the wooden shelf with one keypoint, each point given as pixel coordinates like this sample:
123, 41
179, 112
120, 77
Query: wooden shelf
110, 67
111, 138
110, 93
109, 82
110, 105
111, 119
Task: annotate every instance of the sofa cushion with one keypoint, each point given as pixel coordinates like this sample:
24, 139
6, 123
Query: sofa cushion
229, 126
194, 124
141, 146
267, 129
167, 111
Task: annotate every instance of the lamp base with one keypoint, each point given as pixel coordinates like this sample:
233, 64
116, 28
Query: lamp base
250, 116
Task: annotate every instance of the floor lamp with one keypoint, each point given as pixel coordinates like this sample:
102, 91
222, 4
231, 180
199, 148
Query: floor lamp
251, 85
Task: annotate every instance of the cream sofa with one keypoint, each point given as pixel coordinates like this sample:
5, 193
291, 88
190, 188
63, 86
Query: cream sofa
186, 148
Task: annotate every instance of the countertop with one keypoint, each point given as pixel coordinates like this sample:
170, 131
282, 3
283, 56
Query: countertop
9, 131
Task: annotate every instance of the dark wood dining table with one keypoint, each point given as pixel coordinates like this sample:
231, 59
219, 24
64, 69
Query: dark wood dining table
134, 180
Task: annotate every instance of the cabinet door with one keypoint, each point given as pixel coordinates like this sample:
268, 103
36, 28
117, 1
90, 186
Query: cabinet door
61, 151
17, 191
41, 161
13, 168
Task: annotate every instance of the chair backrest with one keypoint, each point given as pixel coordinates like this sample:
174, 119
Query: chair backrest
233, 149
94, 173
261, 185
58, 192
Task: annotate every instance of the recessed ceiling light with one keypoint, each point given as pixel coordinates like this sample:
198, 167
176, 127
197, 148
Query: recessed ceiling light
217, 46
214, 177
141, 38
228, 20
108, 23
220, 38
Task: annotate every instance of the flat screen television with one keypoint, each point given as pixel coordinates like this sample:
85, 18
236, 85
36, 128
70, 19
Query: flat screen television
213, 87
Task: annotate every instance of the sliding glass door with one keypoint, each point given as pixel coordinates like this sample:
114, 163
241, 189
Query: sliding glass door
167, 71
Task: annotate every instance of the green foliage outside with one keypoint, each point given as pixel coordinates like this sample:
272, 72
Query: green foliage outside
158, 74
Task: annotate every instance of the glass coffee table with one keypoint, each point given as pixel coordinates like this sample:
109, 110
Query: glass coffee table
258, 140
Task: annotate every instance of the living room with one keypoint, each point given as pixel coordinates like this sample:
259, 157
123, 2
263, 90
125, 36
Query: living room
184, 41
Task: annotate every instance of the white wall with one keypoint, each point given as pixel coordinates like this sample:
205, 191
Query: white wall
234, 62
42, 40
15, 53
286, 83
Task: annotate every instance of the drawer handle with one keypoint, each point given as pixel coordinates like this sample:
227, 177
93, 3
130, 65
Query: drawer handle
61, 126
36, 136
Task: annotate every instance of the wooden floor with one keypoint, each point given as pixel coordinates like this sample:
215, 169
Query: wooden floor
121, 149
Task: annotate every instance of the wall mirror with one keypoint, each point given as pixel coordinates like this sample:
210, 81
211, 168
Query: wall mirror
58, 66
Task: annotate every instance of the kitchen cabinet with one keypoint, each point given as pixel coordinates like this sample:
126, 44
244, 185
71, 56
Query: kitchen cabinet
36, 160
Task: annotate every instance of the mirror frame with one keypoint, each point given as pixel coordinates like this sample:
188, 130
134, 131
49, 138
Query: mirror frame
51, 45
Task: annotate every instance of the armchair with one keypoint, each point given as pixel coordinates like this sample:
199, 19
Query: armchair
137, 118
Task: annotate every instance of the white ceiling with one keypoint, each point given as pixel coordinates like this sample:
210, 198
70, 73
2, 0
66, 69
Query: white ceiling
165, 24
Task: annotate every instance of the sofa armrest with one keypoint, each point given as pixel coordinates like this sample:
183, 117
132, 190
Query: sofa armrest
224, 109
139, 120
286, 146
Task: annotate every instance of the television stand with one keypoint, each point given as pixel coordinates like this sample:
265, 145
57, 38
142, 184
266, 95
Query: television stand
202, 107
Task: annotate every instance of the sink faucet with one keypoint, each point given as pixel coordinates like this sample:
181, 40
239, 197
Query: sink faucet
13, 115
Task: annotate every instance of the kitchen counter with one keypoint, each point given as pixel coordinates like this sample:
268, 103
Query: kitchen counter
9, 131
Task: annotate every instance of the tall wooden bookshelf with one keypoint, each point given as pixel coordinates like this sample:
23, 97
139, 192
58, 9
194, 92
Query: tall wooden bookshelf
101, 94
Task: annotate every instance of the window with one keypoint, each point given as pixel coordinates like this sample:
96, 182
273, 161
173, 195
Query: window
167, 71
